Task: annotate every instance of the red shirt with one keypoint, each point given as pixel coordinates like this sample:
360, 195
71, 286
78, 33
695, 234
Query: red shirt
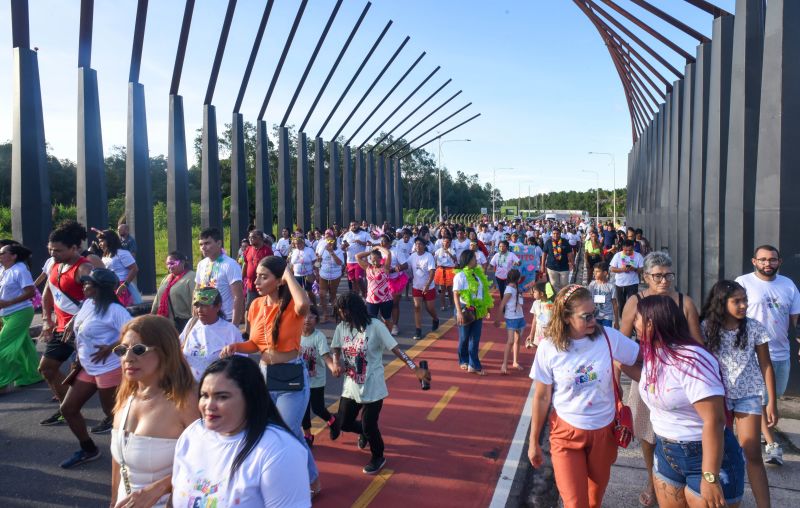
251, 258
65, 288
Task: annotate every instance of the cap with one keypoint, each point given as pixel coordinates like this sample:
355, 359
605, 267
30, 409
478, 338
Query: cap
205, 296
329, 232
101, 277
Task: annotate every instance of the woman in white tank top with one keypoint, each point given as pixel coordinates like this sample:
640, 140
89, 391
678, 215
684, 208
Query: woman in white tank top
148, 419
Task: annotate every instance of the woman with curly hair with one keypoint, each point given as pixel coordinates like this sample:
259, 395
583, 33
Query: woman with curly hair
740, 344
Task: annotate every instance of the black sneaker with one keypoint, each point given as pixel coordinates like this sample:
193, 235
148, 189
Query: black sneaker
56, 419
80, 457
104, 426
418, 334
374, 465
362, 442
335, 430
309, 440
435, 325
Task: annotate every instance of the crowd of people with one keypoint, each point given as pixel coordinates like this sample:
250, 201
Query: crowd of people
209, 397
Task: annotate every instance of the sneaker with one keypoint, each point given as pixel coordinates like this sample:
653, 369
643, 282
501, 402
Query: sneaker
418, 334
374, 465
395, 330
335, 430
103, 427
362, 442
309, 440
435, 325
80, 457
774, 454
56, 419
763, 439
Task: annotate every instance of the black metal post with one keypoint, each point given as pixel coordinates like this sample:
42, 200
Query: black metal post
302, 201
285, 215
347, 187
240, 207
334, 193
320, 206
264, 215
360, 209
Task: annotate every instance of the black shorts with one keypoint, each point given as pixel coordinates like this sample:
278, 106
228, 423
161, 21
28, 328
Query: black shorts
306, 281
383, 308
57, 350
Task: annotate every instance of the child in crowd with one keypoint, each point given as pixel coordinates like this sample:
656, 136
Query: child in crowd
515, 319
740, 344
605, 297
315, 351
541, 309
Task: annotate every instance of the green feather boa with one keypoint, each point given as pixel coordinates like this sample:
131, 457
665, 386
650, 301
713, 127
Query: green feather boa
482, 305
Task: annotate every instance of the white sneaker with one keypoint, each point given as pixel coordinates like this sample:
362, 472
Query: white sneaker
774, 454
395, 330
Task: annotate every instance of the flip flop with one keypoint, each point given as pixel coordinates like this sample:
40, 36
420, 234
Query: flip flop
464, 366
647, 499
503, 372
478, 372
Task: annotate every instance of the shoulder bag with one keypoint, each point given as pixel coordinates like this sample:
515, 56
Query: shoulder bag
623, 418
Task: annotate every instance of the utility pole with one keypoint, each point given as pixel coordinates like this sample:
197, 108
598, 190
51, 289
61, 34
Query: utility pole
614, 179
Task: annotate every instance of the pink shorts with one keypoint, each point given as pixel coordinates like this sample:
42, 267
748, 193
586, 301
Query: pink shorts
354, 271
106, 380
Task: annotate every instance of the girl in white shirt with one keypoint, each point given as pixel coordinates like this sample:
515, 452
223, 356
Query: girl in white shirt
302, 259
122, 263
240, 453
331, 260
697, 459
573, 368
515, 319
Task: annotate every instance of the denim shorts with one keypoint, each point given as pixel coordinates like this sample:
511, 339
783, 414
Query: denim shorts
781, 369
745, 405
605, 322
515, 324
680, 463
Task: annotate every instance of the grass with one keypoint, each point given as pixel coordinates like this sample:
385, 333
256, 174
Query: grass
162, 250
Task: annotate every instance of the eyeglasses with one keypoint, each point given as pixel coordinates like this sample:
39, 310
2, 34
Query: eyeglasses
660, 277
764, 261
587, 318
138, 349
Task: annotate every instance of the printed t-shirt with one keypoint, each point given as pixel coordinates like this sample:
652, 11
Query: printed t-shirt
274, 474
583, 390
513, 308
13, 280
602, 295
378, 285
252, 256
220, 274
620, 260
771, 303
557, 254
119, 264
313, 347
302, 261
460, 246
741, 372
261, 317
398, 258
480, 258
543, 311
443, 259
671, 411
204, 343
354, 248
421, 266
362, 360
328, 269
503, 262
92, 330
461, 284
282, 246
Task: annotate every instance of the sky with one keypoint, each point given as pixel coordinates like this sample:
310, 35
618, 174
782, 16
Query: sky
536, 70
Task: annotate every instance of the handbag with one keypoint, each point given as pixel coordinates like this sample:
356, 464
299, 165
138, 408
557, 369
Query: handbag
468, 314
623, 418
285, 377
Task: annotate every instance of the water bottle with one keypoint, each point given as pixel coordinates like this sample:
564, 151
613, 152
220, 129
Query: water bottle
423, 364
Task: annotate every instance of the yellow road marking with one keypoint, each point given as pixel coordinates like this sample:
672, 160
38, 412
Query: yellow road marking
373, 489
439, 407
485, 349
317, 425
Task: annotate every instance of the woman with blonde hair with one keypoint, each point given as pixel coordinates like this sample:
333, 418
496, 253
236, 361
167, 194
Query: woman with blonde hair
573, 368
156, 401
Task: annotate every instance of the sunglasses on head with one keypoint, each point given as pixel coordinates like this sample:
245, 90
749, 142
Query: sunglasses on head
137, 349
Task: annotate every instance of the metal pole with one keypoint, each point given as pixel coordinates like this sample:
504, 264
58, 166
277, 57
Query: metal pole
614, 177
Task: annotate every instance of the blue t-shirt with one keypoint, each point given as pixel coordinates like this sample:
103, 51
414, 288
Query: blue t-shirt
557, 255
608, 238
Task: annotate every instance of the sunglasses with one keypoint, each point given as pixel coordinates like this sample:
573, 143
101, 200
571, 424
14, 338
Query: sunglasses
138, 349
587, 318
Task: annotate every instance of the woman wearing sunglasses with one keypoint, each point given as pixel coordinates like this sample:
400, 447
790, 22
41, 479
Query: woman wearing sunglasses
156, 401
573, 368
96, 327
660, 279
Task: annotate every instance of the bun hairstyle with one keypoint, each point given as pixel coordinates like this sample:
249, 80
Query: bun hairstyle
567, 300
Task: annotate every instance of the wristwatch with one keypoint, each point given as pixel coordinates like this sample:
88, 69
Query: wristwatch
709, 477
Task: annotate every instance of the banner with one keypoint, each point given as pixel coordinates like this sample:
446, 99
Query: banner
530, 257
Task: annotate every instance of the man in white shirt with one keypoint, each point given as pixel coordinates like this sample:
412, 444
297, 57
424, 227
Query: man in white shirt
627, 266
461, 243
220, 271
357, 241
774, 301
284, 244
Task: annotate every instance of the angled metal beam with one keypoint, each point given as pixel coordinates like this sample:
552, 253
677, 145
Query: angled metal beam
180, 54
223, 40
335, 65
647, 28
401, 122
282, 58
372, 85
353, 79
448, 131
311, 62
632, 51
418, 123
451, 115
138, 41
399, 106
85, 34
708, 7
634, 66
253, 53
671, 20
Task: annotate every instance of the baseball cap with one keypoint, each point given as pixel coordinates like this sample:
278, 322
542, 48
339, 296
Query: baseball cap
205, 296
101, 277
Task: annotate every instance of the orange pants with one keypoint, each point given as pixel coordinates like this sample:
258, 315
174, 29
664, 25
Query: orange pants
582, 462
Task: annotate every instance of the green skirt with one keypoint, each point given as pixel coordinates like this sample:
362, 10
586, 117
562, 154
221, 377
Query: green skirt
18, 358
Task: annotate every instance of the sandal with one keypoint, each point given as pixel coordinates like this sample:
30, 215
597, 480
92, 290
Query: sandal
503, 371
464, 366
517, 366
478, 372
647, 498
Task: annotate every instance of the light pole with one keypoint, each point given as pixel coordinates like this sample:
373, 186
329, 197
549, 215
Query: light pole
614, 178
597, 195
494, 189
441, 142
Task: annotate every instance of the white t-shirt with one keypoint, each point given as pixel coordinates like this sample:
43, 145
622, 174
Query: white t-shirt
513, 308
405, 247
204, 343
303, 261
620, 260
312, 348
219, 274
353, 247
583, 390
398, 258
460, 284
362, 360
119, 264
282, 246
480, 257
503, 262
460, 246
274, 474
771, 303
486, 238
328, 269
421, 266
13, 280
444, 259
92, 330
671, 411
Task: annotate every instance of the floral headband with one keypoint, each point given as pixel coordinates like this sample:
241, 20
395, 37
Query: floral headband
571, 291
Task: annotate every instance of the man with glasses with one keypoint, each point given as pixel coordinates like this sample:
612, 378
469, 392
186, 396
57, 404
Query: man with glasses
774, 301
626, 266
255, 252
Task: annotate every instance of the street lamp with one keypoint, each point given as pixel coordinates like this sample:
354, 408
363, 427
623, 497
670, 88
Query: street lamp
494, 189
441, 142
597, 195
614, 173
